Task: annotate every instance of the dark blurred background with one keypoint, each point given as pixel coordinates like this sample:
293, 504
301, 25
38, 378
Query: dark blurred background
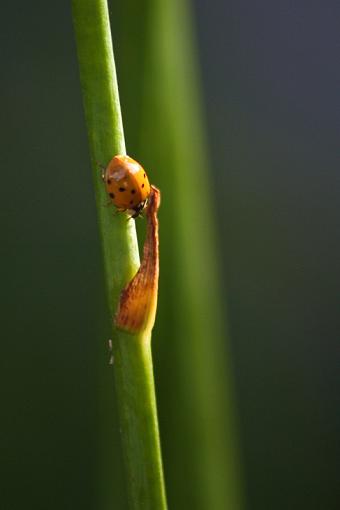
270, 78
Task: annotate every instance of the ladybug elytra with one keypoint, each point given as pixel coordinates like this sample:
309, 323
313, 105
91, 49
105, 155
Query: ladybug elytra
127, 184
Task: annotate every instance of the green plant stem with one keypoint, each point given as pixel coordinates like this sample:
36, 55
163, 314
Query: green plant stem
137, 407
132, 353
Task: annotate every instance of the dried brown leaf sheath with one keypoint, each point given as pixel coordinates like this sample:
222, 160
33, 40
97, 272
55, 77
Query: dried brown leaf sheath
138, 301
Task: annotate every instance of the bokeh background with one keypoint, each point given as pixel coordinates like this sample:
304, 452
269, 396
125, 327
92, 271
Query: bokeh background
270, 83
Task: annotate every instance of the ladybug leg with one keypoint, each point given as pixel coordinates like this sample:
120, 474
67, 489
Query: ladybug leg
133, 216
109, 203
137, 211
102, 167
136, 214
119, 210
111, 360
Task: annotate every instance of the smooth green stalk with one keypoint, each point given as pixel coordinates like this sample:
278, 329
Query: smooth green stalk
132, 353
138, 415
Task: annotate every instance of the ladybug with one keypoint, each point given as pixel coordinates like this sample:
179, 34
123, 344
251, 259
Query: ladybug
127, 184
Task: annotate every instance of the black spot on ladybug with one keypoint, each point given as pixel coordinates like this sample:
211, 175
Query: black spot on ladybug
131, 202
121, 189
133, 191
143, 185
144, 176
109, 181
112, 195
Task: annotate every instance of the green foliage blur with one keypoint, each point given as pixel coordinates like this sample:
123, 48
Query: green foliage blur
248, 223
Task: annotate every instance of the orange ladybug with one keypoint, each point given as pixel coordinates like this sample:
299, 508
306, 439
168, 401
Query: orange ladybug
127, 184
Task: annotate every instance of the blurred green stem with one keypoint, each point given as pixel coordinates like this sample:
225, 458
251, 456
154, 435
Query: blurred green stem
132, 353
